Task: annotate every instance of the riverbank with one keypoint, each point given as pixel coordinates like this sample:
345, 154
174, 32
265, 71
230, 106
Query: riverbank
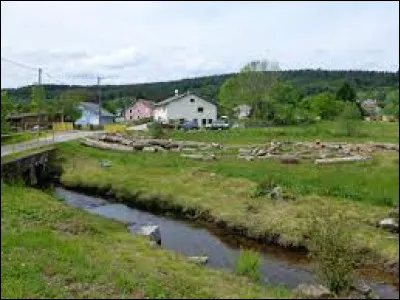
214, 192
50, 250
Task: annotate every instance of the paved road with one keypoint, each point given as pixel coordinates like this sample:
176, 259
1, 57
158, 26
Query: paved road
48, 140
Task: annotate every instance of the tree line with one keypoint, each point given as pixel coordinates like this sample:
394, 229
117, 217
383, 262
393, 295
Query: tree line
274, 95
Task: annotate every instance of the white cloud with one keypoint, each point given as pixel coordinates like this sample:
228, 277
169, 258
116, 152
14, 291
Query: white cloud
159, 41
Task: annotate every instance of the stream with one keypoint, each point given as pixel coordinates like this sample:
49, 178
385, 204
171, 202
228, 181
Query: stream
278, 266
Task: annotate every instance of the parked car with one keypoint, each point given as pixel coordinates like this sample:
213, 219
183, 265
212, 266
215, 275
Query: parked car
168, 126
218, 125
186, 125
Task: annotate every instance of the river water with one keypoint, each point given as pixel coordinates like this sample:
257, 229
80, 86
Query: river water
278, 266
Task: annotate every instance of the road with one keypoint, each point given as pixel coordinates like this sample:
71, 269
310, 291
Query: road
59, 137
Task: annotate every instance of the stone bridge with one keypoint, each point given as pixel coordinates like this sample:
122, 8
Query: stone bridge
33, 168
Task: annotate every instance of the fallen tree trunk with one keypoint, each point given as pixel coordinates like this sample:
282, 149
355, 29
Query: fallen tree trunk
341, 159
105, 146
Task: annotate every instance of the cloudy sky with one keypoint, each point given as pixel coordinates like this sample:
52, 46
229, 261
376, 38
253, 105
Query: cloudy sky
131, 42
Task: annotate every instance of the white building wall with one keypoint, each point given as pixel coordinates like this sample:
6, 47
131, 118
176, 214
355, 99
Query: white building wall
187, 108
87, 118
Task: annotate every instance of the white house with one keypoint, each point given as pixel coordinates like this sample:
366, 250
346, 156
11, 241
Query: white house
185, 107
90, 114
243, 111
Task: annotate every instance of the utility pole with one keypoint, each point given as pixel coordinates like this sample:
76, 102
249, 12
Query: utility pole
40, 77
99, 95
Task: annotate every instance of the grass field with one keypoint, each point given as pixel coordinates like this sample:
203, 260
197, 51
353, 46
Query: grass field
50, 250
363, 192
328, 131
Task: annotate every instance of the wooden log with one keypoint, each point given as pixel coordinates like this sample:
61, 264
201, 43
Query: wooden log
341, 159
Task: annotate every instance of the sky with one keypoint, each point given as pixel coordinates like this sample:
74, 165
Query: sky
135, 42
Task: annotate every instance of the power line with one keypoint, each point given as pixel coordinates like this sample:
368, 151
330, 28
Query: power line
18, 64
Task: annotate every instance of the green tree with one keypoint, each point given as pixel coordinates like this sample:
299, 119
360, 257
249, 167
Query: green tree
250, 86
323, 104
68, 103
6, 109
37, 98
392, 104
346, 93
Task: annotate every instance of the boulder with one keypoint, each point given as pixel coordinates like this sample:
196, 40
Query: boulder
244, 151
311, 291
149, 149
276, 193
151, 231
202, 260
389, 224
105, 163
289, 159
362, 287
261, 152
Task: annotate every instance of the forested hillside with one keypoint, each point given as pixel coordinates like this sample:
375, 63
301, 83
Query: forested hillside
308, 82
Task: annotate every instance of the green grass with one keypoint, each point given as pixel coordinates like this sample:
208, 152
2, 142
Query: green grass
248, 263
332, 131
364, 191
23, 137
51, 250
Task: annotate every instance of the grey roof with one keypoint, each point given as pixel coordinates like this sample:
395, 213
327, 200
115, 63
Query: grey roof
177, 97
94, 107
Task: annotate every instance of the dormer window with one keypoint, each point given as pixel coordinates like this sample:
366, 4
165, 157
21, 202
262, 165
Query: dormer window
191, 100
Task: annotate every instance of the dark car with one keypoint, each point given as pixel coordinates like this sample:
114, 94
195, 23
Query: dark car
168, 126
187, 125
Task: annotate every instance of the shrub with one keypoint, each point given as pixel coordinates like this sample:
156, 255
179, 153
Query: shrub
264, 188
349, 120
248, 263
155, 130
331, 248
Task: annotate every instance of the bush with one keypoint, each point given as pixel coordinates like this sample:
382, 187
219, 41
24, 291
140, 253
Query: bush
248, 263
349, 120
331, 248
155, 130
264, 188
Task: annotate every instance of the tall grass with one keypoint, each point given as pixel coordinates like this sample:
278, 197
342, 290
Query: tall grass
248, 263
332, 249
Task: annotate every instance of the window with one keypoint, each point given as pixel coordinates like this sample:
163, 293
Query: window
204, 121
181, 121
195, 120
130, 110
209, 121
200, 109
191, 100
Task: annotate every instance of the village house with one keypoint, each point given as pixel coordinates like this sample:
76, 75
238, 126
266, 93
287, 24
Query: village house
25, 121
139, 109
243, 111
370, 107
90, 114
185, 107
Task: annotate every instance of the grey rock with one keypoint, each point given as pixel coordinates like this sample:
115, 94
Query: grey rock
312, 291
261, 152
362, 287
276, 193
105, 163
198, 259
149, 149
389, 224
151, 231
289, 159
